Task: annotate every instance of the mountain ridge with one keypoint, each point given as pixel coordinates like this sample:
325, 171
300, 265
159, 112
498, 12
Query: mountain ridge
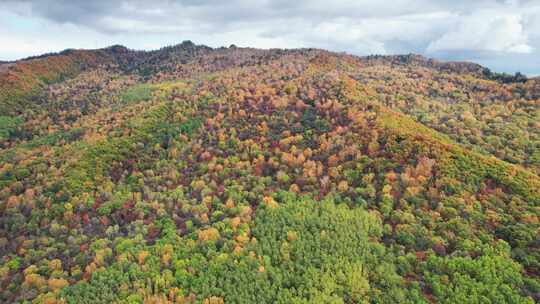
77, 60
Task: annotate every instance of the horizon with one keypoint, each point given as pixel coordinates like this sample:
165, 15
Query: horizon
500, 35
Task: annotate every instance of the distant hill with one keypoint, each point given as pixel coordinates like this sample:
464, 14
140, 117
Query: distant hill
193, 174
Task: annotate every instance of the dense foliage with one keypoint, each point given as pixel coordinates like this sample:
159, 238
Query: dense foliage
236, 175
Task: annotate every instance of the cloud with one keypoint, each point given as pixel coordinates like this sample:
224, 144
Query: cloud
486, 30
459, 29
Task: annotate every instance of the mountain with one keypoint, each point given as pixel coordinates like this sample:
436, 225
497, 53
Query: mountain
193, 174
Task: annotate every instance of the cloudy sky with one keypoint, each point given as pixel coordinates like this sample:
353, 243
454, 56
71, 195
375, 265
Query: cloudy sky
503, 35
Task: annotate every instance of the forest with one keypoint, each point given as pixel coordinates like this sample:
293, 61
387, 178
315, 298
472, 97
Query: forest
192, 174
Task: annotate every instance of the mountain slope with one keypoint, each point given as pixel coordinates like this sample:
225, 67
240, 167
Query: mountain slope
239, 175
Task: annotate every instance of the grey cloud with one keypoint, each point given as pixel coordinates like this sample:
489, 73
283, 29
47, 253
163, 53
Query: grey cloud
92, 13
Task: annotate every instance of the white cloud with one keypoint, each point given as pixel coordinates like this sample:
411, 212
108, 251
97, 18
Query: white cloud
485, 30
22, 36
521, 48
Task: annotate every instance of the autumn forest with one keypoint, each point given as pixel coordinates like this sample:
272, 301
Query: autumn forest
192, 174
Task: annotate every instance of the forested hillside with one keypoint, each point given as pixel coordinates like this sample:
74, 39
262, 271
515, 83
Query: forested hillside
236, 175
